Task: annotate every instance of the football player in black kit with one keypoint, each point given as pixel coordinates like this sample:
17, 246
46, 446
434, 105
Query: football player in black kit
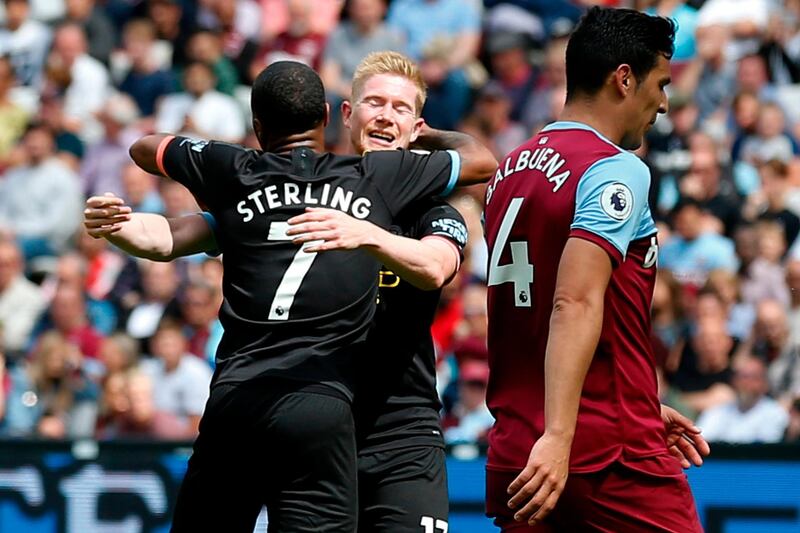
277, 428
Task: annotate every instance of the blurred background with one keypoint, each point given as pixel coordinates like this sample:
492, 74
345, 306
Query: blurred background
105, 360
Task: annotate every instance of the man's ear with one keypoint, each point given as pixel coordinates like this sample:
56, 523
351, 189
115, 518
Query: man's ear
347, 112
624, 79
257, 129
416, 129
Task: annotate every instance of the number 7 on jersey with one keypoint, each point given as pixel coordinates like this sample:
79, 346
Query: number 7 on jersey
519, 271
294, 275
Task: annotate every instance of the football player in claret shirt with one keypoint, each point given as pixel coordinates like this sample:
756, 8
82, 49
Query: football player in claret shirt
581, 442
313, 348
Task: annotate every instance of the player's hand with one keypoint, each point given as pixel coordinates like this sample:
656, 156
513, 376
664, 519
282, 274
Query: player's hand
684, 440
104, 215
335, 229
535, 492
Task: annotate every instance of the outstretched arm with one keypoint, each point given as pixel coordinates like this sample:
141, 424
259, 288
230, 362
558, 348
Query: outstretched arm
147, 235
144, 153
427, 264
478, 164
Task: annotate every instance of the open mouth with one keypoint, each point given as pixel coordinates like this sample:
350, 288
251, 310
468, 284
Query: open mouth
381, 137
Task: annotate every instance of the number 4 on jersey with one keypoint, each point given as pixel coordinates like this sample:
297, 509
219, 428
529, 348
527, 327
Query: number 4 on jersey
519, 271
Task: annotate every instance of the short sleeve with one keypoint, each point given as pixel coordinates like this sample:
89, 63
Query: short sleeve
469, 18
201, 166
405, 176
611, 202
444, 221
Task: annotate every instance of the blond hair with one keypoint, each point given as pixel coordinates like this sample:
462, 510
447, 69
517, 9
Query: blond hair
392, 63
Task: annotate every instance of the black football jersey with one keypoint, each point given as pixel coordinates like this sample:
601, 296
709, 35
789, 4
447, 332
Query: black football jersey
397, 404
288, 313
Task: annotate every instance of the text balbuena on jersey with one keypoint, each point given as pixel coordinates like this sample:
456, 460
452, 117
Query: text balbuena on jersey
288, 313
569, 181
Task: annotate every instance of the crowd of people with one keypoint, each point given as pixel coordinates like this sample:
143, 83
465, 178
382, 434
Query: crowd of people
95, 343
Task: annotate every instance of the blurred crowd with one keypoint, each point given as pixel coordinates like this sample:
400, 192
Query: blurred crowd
95, 343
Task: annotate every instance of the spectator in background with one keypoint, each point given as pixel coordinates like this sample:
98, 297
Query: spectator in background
764, 277
201, 111
144, 418
490, 121
703, 375
740, 315
83, 80
350, 42
103, 266
711, 76
199, 306
158, 300
100, 33
769, 203
275, 17
147, 79
444, 37
177, 199
512, 71
744, 20
706, 183
167, 15
13, 118
69, 147
119, 353
101, 169
21, 301
753, 416
793, 428
205, 46
298, 43
113, 407
692, 252
793, 284
69, 317
469, 420
746, 109
140, 190
769, 142
50, 396
772, 342
25, 41
550, 93
774, 49
180, 379
751, 76
40, 201
669, 323
238, 24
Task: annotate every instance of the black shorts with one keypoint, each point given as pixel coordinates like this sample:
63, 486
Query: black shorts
278, 445
403, 490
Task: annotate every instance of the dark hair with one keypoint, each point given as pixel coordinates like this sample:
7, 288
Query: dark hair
288, 97
606, 38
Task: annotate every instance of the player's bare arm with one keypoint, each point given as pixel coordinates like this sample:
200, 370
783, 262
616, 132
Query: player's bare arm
144, 152
427, 264
575, 325
478, 164
146, 235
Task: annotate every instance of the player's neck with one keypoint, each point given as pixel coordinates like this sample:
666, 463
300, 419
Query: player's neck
595, 115
312, 139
